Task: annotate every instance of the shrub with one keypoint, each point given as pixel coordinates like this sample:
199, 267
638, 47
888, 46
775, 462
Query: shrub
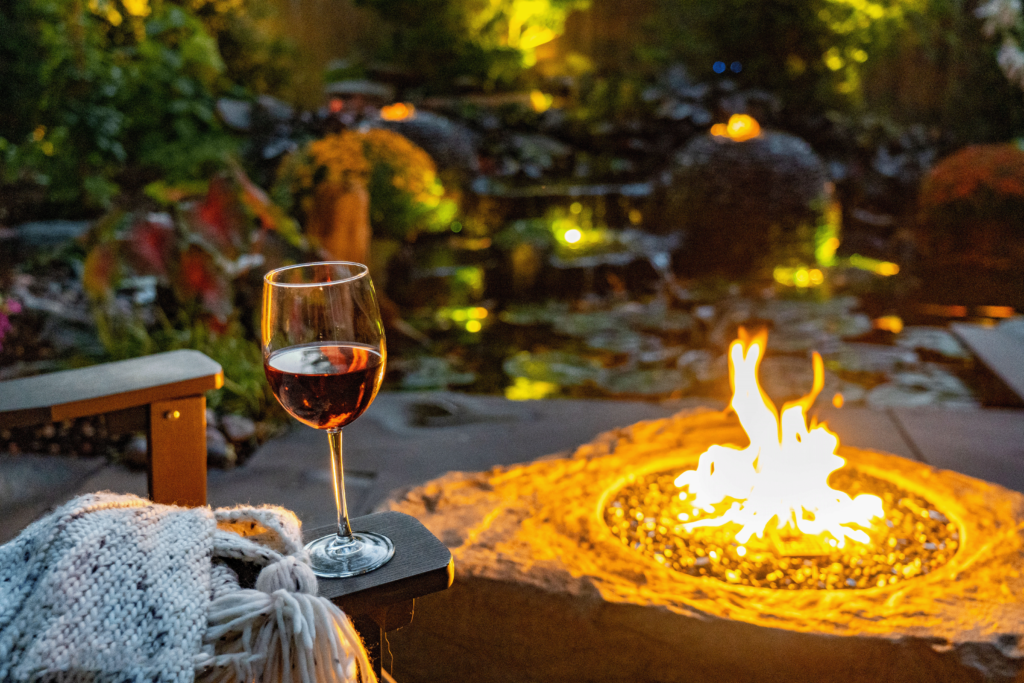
980, 182
971, 206
406, 196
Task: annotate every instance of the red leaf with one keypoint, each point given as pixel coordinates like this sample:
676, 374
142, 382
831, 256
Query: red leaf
220, 218
151, 244
100, 270
200, 277
256, 200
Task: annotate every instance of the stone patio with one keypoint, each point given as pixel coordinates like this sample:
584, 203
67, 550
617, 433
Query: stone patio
406, 439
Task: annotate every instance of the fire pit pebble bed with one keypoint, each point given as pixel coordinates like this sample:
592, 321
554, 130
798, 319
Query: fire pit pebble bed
913, 540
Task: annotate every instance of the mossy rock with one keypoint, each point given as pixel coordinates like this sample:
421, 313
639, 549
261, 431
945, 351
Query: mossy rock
745, 206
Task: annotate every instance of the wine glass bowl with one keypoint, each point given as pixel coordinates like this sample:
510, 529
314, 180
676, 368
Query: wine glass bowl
324, 355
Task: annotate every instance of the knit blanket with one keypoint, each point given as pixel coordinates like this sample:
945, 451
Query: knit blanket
115, 588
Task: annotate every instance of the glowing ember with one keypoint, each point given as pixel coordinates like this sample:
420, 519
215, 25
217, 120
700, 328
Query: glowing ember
398, 111
779, 483
740, 127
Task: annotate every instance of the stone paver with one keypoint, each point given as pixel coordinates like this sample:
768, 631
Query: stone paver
383, 451
987, 444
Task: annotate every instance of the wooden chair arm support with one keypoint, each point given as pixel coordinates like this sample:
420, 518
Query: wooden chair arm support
162, 393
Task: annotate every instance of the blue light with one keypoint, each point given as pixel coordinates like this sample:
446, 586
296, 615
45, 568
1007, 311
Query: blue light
719, 67
736, 67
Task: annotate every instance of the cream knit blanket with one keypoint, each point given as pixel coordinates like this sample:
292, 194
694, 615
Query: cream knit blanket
115, 588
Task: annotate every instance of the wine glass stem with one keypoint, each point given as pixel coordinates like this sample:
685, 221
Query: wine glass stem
338, 477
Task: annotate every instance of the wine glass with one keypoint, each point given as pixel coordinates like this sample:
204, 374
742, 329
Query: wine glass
324, 355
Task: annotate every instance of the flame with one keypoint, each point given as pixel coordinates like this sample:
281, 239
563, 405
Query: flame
779, 483
399, 111
740, 127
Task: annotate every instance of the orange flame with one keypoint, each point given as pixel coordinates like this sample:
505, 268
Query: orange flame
740, 127
399, 111
780, 481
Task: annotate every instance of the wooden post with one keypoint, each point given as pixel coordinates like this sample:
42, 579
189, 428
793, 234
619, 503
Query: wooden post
177, 451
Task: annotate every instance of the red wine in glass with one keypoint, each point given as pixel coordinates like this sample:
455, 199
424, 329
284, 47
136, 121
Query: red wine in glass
324, 355
325, 385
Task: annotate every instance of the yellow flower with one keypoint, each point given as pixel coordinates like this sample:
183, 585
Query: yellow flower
137, 8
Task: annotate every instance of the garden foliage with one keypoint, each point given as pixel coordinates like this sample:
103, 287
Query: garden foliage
485, 42
190, 277
101, 94
913, 60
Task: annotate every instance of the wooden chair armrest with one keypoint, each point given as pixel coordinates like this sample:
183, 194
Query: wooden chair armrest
107, 387
421, 565
382, 600
162, 393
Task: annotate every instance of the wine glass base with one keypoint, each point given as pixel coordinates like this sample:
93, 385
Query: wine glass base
335, 557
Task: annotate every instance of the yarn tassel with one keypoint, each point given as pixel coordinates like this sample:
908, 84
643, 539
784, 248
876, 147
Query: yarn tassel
282, 631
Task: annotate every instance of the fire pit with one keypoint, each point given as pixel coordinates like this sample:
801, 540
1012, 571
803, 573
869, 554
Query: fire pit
635, 559
769, 516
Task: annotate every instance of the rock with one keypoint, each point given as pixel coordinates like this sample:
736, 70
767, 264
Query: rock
136, 452
703, 365
1013, 327
544, 593
276, 109
934, 339
236, 114
645, 382
219, 453
925, 385
212, 420
854, 357
41, 234
449, 144
371, 90
745, 205
237, 428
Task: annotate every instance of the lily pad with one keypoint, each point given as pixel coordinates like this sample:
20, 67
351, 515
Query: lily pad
435, 373
535, 314
622, 341
646, 382
556, 367
588, 324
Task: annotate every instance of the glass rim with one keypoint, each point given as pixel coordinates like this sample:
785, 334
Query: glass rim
268, 278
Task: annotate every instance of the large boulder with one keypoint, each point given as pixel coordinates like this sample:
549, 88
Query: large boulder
746, 205
451, 145
545, 593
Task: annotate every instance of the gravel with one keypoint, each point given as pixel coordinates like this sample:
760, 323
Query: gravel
912, 540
